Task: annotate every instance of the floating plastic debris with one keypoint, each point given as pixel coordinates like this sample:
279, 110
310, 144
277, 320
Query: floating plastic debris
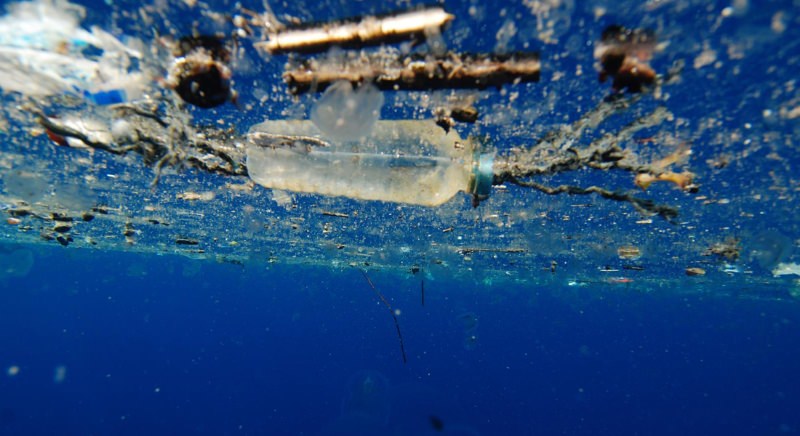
406, 161
44, 52
347, 114
786, 269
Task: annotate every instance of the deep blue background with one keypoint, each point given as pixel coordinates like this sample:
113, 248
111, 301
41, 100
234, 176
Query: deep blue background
152, 345
166, 345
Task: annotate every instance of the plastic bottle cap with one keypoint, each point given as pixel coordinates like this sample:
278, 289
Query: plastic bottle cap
482, 174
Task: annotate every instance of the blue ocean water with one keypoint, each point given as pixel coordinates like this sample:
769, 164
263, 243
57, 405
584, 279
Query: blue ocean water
127, 344
107, 336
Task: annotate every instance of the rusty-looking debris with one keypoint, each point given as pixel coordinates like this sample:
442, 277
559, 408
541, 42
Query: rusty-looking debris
186, 241
729, 249
446, 116
417, 72
623, 55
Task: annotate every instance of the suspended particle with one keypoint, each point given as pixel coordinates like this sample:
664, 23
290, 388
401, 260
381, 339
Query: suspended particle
695, 271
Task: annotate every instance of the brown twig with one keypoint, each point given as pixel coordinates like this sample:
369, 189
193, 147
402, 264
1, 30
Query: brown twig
416, 72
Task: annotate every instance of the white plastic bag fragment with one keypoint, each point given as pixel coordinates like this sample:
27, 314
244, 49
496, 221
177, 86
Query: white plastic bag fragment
43, 53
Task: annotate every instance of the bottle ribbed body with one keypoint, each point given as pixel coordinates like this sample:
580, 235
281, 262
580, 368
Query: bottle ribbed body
405, 161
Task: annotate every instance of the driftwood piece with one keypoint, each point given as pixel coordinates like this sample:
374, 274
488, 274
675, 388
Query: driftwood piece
416, 72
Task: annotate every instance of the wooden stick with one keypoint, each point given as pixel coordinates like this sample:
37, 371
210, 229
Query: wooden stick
416, 72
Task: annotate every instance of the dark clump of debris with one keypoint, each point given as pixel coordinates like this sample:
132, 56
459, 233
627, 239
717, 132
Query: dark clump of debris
623, 55
200, 74
729, 249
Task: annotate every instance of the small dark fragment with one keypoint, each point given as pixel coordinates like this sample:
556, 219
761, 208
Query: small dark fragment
87, 216
18, 213
335, 214
186, 241
156, 222
102, 210
465, 114
446, 117
414, 269
55, 216
64, 239
129, 231
62, 228
623, 55
445, 122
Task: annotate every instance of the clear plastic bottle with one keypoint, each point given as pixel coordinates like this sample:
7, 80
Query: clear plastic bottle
404, 161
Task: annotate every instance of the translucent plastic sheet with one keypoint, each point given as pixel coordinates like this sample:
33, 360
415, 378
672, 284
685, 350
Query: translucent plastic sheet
43, 52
